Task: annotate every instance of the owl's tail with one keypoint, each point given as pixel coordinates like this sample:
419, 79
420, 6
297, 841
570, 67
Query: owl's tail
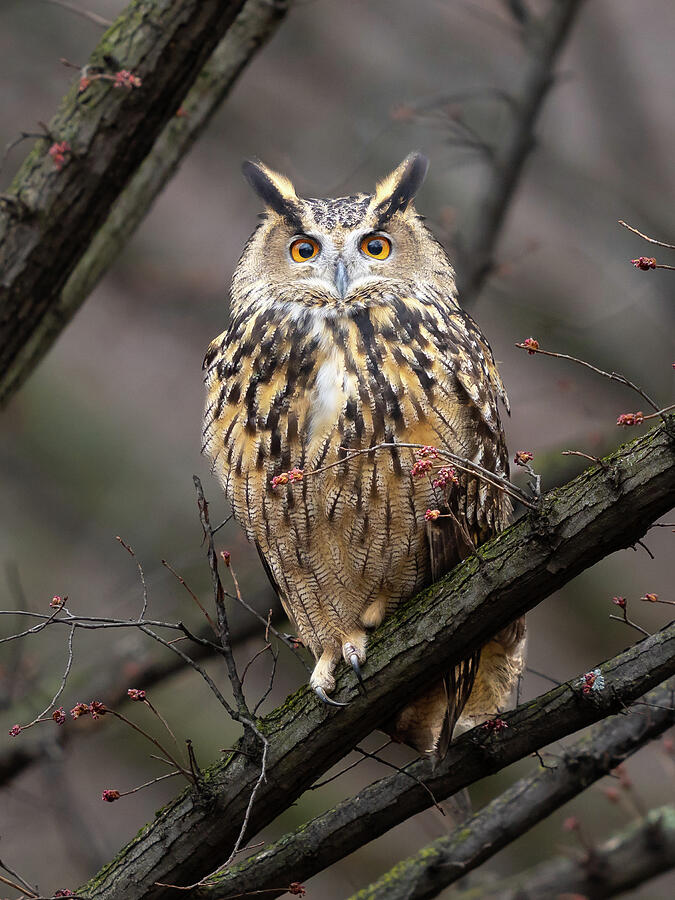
474, 691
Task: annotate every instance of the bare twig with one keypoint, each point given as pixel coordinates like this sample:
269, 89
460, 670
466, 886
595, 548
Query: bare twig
25, 888
85, 13
266, 621
461, 462
646, 237
244, 716
343, 771
613, 376
141, 573
624, 617
192, 594
595, 459
181, 768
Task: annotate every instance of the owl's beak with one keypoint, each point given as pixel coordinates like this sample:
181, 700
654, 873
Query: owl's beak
341, 278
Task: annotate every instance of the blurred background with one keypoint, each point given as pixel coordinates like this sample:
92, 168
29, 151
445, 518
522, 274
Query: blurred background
105, 437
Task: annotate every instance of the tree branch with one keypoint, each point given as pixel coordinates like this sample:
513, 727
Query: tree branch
62, 233
642, 851
604, 509
543, 36
391, 800
525, 803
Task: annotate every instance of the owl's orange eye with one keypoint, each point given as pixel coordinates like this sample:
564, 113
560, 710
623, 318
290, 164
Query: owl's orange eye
376, 246
303, 249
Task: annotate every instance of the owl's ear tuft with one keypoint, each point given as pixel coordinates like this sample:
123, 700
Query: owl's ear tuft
397, 191
275, 190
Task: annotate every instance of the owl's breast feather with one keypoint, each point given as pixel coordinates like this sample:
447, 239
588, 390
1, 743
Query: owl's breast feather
327, 397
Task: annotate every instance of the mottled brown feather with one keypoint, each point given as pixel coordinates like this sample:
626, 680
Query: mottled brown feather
302, 377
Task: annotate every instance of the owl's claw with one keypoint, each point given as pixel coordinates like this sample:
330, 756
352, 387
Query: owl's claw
323, 696
354, 660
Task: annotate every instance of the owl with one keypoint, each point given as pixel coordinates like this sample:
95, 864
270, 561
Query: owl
345, 340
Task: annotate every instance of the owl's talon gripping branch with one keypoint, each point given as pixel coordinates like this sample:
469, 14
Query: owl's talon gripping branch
352, 656
323, 696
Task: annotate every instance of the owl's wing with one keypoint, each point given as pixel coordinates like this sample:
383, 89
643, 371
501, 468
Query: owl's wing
482, 510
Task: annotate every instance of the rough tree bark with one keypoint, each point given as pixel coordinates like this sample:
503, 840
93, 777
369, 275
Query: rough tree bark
526, 802
606, 508
391, 800
641, 851
60, 230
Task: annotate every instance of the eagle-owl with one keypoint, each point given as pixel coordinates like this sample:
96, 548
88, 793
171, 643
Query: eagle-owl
345, 333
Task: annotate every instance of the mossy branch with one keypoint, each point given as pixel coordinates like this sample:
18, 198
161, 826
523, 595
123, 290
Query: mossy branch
68, 226
391, 800
643, 850
608, 507
528, 801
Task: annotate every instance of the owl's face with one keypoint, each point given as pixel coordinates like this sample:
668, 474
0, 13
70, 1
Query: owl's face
334, 252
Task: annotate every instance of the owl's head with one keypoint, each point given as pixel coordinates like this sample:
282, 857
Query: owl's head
333, 252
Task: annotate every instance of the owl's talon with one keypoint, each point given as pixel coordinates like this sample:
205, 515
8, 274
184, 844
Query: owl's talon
323, 696
354, 660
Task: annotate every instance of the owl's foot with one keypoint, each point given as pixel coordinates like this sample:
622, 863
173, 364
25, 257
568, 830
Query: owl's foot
321, 679
354, 653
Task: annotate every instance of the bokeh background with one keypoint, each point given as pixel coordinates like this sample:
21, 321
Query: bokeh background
104, 438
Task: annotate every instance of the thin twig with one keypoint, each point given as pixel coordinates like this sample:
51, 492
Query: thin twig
192, 594
162, 720
18, 877
646, 237
595, 459
320, 784
627, 621
266, 621
92, 16
461, 462
232, 713
275, 657
402, 771
142, 576
613, 376
150, 738
219, 598
253, 659
64, 679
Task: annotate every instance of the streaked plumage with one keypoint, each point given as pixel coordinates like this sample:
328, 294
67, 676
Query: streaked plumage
339, 353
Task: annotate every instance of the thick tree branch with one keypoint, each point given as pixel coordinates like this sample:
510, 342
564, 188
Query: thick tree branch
604, 509
61, 234
642, 851
543, 37
526, 803
391, 800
